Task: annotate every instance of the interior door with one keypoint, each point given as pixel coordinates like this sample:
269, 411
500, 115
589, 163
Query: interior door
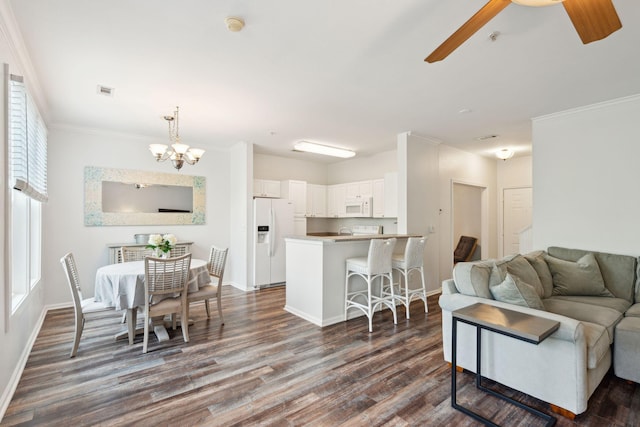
517, 214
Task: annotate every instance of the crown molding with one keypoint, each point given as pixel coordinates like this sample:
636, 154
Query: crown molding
10, 29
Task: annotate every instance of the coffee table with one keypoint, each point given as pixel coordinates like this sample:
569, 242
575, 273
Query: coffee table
514, 324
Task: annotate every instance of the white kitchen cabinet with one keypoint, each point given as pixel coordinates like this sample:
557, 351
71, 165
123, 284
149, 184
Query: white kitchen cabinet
359, 189
378, 198
266, 188
296, 191
316, 200
336, 196
390, 195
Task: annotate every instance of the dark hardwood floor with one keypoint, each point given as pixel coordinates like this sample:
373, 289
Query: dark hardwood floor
268, 367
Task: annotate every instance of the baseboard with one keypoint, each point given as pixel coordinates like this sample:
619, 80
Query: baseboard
7, 394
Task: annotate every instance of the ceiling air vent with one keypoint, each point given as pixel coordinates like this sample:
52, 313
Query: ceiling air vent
106, 91
486, 137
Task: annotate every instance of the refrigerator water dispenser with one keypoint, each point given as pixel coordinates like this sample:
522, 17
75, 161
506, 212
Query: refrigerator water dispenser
263, 233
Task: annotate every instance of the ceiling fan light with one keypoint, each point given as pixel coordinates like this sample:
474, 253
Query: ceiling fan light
537, 3
312, 147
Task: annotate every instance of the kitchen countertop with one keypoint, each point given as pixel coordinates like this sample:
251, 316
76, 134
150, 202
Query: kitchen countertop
351, 238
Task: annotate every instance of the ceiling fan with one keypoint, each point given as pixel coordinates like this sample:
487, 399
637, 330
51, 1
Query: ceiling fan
593, 20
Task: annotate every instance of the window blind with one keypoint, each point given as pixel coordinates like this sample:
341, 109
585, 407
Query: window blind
27, 143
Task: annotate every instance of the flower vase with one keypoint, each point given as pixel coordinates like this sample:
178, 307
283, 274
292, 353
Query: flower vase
160, 254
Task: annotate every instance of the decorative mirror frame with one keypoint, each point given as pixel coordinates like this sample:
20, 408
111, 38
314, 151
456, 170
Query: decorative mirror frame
93, 215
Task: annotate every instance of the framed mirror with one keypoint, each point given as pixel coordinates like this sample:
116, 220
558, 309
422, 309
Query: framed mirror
132, 197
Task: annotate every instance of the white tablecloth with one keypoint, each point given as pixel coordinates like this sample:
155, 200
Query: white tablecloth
122, 285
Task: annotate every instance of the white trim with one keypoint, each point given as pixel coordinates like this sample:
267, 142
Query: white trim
62, 127
8, 392
484, 219
598, 105
11, 30
426, 138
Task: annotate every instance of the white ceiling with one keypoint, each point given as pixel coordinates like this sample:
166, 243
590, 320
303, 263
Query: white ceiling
348, 73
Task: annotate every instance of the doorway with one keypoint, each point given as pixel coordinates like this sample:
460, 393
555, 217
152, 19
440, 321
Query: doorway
467, 215
517, 215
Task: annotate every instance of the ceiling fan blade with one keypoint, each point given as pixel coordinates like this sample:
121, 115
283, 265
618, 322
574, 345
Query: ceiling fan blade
593, 19
468, 29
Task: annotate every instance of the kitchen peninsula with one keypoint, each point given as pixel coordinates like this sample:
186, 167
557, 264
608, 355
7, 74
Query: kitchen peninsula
316, 268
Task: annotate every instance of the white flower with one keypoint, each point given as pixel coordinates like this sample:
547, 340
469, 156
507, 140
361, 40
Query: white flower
170, 238
155, 239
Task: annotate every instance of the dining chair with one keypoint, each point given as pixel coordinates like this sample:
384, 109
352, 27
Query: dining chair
134, 253
81, 306
376, 265
177, 251
165, 291
411, 261
216, 264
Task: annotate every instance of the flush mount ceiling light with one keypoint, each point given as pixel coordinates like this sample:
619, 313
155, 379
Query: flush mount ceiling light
312, 147
504, 154
179, 153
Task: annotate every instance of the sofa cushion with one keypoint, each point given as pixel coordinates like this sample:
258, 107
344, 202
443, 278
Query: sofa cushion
536, 259
597, 343
518, 266
618, 271
603, 316
633, 311
513, 290
582, 277
472, 278
618, 304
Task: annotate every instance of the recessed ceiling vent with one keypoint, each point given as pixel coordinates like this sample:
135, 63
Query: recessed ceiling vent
106, 91
486, 137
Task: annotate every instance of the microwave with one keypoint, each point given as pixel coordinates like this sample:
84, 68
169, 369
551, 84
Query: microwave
359, 207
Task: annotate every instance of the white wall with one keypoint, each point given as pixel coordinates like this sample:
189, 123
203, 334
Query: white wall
466, 168
70, 150
585, 178
240, 259
283, 168
418, 198
362, 168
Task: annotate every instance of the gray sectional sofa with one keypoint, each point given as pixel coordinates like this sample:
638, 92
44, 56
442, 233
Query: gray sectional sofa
596, 298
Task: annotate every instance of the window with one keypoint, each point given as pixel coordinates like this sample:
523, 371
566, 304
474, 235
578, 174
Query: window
28, 188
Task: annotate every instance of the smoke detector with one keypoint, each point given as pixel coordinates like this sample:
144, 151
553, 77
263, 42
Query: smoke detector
234, 24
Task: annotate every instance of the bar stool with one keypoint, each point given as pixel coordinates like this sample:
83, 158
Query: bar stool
411, 260
377, 264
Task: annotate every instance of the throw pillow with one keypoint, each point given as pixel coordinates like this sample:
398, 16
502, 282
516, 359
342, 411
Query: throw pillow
582, 277
518, 266
472, 278
514, 291
536, 259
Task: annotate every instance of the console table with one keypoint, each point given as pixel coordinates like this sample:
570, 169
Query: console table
114, 249
514, 324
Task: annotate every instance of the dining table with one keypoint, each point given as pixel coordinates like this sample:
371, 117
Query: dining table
122, 286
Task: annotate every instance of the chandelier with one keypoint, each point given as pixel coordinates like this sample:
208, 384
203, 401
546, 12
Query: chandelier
179, 153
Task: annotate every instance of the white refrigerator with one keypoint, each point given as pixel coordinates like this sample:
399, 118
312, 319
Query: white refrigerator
272, 220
